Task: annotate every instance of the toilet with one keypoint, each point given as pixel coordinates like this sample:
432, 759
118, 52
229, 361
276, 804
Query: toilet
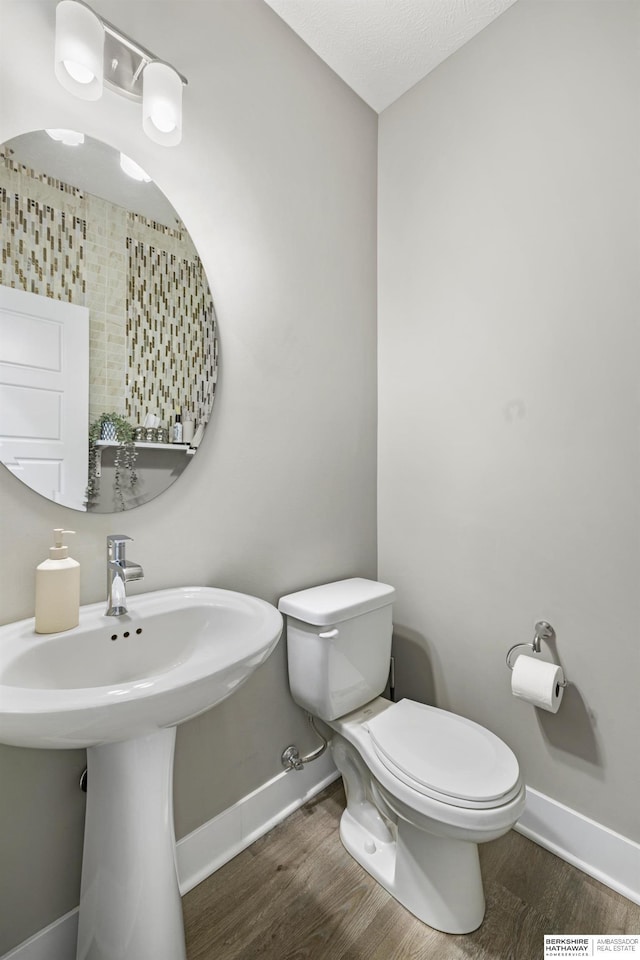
424, 786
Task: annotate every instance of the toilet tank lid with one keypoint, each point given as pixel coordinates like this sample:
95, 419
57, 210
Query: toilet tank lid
333, 602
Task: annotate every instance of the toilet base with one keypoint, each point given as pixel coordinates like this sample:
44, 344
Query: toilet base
436, 878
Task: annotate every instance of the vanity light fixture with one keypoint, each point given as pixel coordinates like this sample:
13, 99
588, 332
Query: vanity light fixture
71, 138
133, 169
90, 52
79, 50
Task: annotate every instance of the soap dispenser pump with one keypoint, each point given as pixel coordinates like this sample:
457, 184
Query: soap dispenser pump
57, 588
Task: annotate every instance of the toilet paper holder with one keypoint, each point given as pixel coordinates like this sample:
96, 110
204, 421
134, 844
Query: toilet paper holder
542, 631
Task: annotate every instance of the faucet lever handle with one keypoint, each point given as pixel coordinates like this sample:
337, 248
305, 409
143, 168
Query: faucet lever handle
116, 545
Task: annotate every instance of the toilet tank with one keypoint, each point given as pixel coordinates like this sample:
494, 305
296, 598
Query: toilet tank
338, 644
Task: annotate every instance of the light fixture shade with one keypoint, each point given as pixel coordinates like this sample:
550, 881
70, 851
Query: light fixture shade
79, 51
133, 169
162, 103
71, 138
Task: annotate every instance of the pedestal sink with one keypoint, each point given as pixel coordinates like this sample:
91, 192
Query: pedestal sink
119, 686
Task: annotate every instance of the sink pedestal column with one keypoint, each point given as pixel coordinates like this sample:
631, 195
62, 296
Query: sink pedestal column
130, 906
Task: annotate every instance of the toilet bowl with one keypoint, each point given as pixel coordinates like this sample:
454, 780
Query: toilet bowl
418, 841
424, 786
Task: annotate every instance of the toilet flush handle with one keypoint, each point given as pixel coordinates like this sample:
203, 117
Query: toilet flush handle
328, 634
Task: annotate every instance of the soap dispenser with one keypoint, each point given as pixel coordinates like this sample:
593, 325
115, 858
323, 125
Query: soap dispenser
57, 588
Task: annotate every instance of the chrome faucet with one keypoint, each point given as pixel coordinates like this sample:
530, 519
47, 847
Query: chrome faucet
119, 572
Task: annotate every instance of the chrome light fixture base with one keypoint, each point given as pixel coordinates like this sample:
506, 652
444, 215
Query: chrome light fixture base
123, 67
124, 62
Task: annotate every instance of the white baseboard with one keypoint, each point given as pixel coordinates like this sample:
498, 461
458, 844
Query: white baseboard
591, 847
202, 852
608, 856
55, 942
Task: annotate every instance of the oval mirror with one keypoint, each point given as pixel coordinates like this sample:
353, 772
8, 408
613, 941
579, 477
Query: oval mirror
108, 345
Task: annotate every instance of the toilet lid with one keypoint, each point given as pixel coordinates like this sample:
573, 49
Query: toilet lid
441, 753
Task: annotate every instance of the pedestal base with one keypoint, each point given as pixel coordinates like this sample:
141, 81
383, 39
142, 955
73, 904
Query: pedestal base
130, 906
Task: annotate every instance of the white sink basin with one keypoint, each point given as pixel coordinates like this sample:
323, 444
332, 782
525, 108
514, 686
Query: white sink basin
119, 686
175, 654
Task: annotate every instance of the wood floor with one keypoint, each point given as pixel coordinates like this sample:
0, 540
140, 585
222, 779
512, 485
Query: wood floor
296, 894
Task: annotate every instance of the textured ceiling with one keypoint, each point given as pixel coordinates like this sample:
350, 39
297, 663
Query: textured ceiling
381, 48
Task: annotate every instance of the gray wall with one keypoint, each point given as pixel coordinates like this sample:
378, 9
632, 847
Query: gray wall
509, 347
276, 182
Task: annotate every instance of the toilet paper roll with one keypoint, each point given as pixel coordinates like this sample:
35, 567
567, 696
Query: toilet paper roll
538, 682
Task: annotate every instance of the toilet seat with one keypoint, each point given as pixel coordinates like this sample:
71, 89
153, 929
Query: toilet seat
464, 764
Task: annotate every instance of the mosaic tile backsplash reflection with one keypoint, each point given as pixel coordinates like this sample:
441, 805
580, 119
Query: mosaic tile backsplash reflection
153, 346
170, 346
